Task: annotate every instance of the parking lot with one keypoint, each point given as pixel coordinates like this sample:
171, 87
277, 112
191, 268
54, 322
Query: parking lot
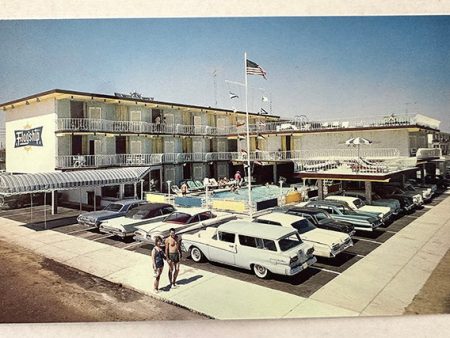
303, 284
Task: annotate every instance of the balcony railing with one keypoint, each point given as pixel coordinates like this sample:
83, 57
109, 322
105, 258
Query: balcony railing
295, 125
425, 153
95, 161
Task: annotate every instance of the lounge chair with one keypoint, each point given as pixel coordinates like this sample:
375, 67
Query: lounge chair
176, 190
192, 186
199, 184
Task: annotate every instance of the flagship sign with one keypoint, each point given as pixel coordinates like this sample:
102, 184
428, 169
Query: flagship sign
28, 137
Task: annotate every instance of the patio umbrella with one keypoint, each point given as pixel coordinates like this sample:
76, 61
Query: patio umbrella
357, 141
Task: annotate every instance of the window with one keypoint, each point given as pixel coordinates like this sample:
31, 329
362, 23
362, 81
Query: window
135, 115
226, 237
114, 207
194, 219
290, 241
167, 210
321, 215
205, 215
303, 226
269, 245
178, 217
247, 241
95, 113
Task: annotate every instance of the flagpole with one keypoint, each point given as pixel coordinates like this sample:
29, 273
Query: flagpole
249, 177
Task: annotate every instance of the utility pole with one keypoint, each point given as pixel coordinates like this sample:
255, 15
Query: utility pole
215, 87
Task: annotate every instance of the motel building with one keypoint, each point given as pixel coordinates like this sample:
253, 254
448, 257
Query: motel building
94, 146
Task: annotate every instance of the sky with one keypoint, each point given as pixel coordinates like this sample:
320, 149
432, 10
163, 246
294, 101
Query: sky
321, 67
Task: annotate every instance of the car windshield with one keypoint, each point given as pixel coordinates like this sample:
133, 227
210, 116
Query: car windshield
178, 217
322, 215
114, 207
290, 241
137, 213
303, 226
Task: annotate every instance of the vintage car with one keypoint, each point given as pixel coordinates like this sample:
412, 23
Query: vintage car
262, 248
393, 204
341, 211
392, 190
358, 205
321, 219
418, 184
181, 219
327, 243
24, 200
112, 210
125, 226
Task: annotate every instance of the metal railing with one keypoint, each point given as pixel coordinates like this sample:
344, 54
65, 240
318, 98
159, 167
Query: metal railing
424, 153
304, 160
296, 125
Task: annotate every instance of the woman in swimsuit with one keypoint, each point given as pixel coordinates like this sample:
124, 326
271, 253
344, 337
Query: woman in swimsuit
158, 257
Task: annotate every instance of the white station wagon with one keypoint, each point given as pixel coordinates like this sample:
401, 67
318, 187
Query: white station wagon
262, 248
327, 243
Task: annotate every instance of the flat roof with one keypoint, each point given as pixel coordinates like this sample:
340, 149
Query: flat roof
52, 92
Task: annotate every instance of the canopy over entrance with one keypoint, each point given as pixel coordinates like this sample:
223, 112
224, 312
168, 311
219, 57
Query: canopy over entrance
41, 182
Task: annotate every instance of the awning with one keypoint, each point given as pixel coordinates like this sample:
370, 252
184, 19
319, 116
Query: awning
30, 183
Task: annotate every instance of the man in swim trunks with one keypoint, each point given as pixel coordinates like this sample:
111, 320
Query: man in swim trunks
173, 254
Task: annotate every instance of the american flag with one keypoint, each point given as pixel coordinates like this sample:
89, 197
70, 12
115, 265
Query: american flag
254, 69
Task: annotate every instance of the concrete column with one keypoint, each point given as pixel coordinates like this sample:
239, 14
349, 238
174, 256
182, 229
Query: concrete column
422, 173
121, 190
320, 185
368, 191
54, 202
135, 190
142, 189
275, 173
161, 179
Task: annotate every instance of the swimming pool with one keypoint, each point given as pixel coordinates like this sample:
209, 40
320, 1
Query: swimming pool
259, 193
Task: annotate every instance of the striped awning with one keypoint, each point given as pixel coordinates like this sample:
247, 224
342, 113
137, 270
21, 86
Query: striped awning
30, 183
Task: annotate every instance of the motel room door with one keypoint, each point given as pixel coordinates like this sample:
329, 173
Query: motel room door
95, 148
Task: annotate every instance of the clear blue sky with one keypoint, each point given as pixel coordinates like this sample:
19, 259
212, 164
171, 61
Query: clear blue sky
321, 67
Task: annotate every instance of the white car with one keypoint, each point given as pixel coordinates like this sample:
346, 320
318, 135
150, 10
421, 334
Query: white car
356, 203
262, 248
187, 219
327, 243
126, 226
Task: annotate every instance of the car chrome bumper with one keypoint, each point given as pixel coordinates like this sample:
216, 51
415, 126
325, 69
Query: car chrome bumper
139, 238
114, 232
344, 246
301, 267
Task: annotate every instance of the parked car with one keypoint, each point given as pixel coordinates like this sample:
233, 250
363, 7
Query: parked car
342, 212
423, 185
440, 181
181, 219
112, 210
321, 219
424, 192
24, 200
409, 189
391, 203
125, 226
357, 204
264, 249
393, 192
327, 243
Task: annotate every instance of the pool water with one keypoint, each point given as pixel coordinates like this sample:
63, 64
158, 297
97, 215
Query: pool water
259, 193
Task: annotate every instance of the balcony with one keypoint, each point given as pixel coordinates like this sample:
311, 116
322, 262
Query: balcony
292, 126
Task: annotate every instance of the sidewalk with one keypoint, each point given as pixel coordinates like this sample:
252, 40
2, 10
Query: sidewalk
382, 283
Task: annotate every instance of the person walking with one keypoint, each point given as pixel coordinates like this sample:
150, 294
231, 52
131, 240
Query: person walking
158, 257
173, 254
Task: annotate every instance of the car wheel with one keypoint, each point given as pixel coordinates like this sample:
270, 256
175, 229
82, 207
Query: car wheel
260, 271
196, 255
